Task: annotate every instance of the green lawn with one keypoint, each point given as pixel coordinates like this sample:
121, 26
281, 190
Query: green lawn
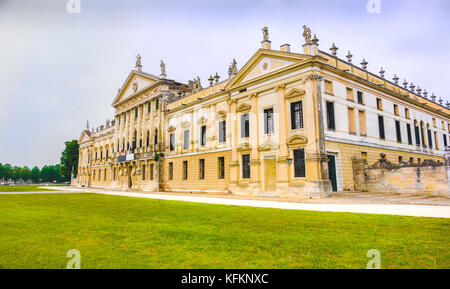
36, 231
26, 188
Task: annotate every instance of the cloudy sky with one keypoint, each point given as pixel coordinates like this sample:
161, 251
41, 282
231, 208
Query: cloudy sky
59, 69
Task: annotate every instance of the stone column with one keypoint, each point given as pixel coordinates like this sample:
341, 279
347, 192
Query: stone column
255, 163
234, 164
317, 182
282, 166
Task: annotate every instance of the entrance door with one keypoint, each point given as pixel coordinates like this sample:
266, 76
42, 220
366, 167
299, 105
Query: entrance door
270, 175
130, 179
332, 171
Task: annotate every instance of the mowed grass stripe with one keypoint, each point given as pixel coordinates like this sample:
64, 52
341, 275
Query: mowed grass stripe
36, 231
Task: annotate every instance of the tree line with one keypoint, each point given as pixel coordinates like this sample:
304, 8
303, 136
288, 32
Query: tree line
49, 173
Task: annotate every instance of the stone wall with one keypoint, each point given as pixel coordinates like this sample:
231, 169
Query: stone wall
428, 178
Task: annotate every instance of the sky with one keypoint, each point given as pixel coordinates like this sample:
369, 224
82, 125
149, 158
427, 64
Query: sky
59, 69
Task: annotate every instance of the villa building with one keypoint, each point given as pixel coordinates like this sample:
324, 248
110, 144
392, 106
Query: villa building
288, 123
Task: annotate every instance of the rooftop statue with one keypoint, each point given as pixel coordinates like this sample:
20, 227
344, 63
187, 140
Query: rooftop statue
265, 31
138, 61
163, 68
307, 34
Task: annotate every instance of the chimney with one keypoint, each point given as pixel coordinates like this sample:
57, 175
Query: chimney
285, 48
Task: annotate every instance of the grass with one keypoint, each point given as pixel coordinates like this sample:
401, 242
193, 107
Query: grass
26, 188
36, 231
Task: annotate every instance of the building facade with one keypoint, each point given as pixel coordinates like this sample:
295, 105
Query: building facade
287, 124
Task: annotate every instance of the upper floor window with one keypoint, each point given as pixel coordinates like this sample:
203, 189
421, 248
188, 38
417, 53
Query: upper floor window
136, 112
351, 121
149, 107
330, 116
379, 104
245, 125
360, 97
350, 95
296, 115
434, 122
407, 113
222, 131
408, 131
156, 137
172, 142
362, 123
381, 126
157, 103
396, 109
398, 131
268, 121
186, 139
203, 135
328, 87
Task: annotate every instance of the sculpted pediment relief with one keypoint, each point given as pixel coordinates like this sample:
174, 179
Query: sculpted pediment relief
202, 121
243, 107
268, 146
185, 124
244, 146
135, 82
171, 129
295, 92
297, 140
221, 115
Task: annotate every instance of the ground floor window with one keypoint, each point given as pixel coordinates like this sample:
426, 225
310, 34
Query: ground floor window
202, 169
185, 170
104, 176
114, 174
246, 166
170, 171
151, 172
143, 172
299, 163
221, 168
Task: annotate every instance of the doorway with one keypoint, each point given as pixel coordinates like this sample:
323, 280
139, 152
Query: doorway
130, 179
270, 175
332, 172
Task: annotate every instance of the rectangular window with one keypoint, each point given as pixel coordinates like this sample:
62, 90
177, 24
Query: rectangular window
143, 172
328, 87
407, 113
396, 109
408, 130
330, 116
170, 171
400, 160
221, 167
246, 166
430, 139
245, 125
186, 139
104, 175
350, 95
296, 115
360, 97
398, 131
445, 140
156, 103
434, 122
417, 133
222, 131
364, 156
114, 174
101, 156
185, 170
151, 172
99, 174
268, 121
202, 169
149, 107
156, 137
203, 135
381, 126
136, 112
172, 142
436, 141
379, 104
299, 163
107, 151
351, 121
362, 123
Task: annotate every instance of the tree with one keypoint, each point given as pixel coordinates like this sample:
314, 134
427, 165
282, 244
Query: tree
69, 159
35, 174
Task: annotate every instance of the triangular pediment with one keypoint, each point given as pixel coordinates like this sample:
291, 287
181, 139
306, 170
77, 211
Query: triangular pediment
85, 136
268, 146
135, 82
265, 63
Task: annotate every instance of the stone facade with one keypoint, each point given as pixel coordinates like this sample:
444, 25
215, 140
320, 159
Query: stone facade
265, 130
